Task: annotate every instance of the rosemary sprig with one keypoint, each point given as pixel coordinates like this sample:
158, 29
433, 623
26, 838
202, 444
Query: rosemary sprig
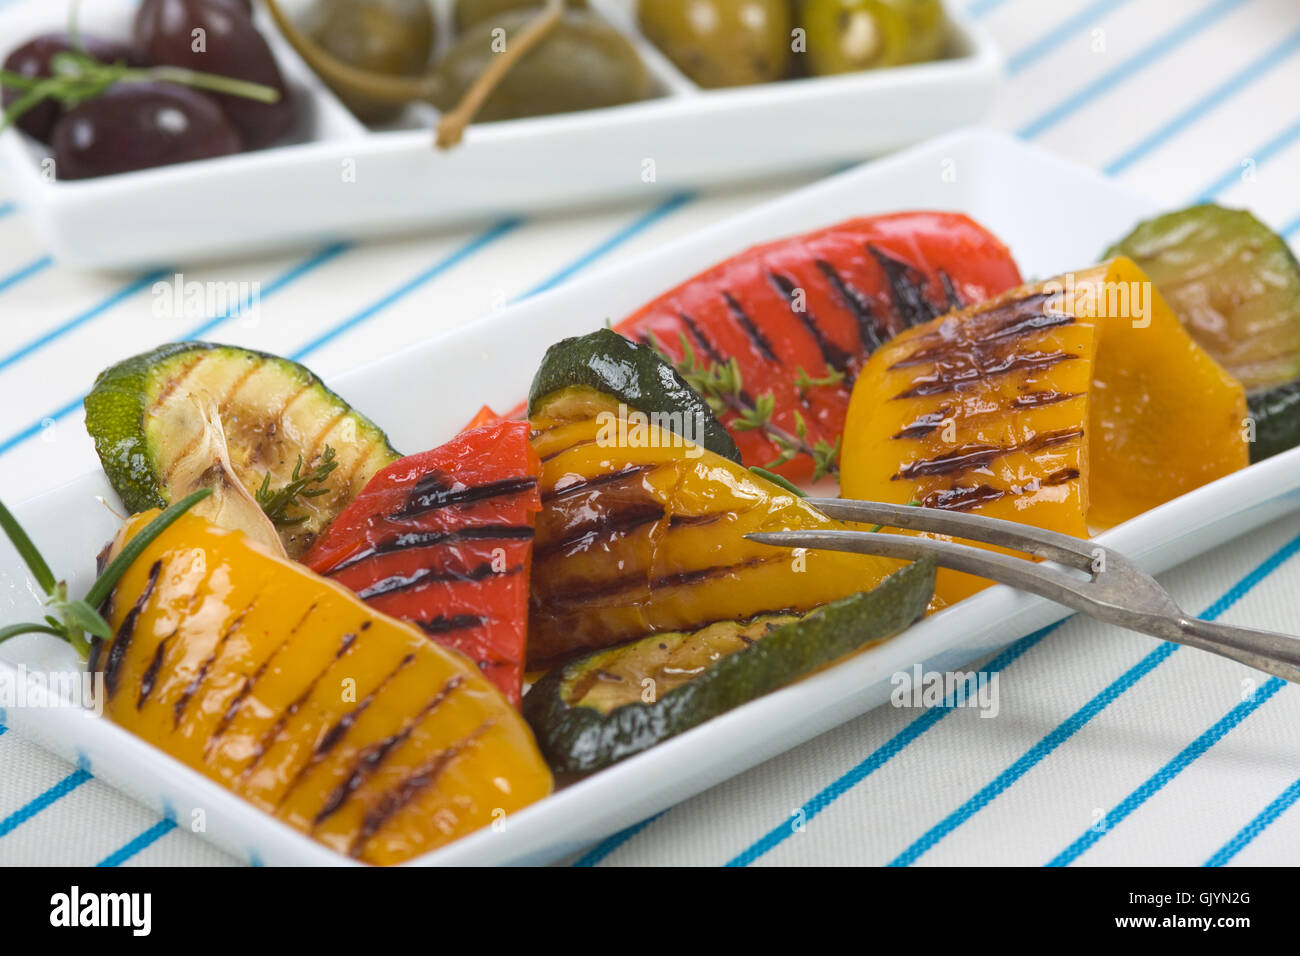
72, 618
276, 504
720, 384
77, 77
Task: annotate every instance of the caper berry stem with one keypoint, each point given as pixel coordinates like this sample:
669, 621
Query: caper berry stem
451, 127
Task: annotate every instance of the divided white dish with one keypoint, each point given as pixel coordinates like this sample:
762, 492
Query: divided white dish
295, 194
1054, 215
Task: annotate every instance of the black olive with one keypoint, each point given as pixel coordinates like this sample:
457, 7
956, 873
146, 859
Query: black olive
135, 125
229, 45
32, 59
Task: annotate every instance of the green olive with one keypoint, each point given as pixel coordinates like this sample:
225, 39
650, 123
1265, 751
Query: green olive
721, 42
466, 13
393, 37
582, 64
844, 36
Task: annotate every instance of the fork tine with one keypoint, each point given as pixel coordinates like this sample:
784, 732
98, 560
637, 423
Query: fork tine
1043, 580
1074, 552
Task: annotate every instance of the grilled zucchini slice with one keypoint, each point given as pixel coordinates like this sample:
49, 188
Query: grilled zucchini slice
587, 375
609, 705
193, 414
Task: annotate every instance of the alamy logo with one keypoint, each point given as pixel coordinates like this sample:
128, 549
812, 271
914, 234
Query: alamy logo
74, 908
1110, 300
977, 690
629, 428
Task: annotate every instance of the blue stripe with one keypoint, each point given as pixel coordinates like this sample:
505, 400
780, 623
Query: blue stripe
122, 294
1084, 714
1128, 68
435, 270
142, 842
610, 844
61, 789
1291, 228
1170, 770
1211, 101
617, 239
25, 272
1266, 152
296, 272
877, 759
1256, 826
6, 208
1036, 49
979, 9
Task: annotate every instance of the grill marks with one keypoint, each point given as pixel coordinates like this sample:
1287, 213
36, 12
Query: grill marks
595, 483
869, 330
435, 491
834, 356
907, 288
635, 583
413, 540
410, 788
369, 758
126, 632
178, 709
756, 336
949, 377
277, 729
979, 455
425, 576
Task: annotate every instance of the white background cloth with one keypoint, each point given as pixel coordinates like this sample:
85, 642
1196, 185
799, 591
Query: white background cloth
1108, 748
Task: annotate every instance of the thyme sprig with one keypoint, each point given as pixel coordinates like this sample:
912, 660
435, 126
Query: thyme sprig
77, 77
721, 385
276, 504
72, 618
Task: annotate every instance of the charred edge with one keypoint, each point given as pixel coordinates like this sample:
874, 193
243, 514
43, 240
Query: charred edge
442, 624
972, 456
410, 788
857, 304
567, 448
925, 424
150, 676
371, 757
1010, 320
590, 592
707, 347
950, 292
400, 582
429, 539
755, 334
948, 379
591, 484
122, 639
178, 710
906, 288
620, 522
249, 682
834, 356
1064, 476
432, 492
273, 734
962, 499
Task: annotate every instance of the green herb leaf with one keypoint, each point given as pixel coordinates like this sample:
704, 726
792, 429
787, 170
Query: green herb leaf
27, 551
81, 615
778, 480
276, 504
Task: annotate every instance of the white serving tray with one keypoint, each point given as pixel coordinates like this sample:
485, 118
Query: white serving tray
295, 194
1054, 215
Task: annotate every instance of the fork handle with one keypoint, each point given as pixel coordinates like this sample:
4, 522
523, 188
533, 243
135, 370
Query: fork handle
1275, 654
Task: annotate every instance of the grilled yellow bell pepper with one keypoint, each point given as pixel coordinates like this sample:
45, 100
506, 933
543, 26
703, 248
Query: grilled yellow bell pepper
638, 534
1072, 405
348, 725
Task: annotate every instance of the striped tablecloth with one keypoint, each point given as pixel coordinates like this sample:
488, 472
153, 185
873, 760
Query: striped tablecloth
1107, 748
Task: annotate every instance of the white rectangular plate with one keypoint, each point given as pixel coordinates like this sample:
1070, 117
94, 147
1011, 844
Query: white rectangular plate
1055, 216
293, 194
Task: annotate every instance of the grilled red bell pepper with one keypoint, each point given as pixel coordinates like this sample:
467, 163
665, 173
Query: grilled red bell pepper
444, 540
820, 303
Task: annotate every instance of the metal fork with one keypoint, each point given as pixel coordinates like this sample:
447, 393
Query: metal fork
1112, 588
